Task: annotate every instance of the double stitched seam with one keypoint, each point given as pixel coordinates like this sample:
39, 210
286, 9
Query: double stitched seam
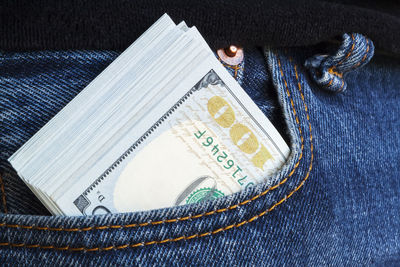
348, 54
364, 57
3, 194
358, 64
197, 216
235, 225
333, 71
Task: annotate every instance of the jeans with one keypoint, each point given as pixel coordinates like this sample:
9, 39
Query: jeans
336, 201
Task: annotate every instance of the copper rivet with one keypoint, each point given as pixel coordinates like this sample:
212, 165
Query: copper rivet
231, 51
231, 55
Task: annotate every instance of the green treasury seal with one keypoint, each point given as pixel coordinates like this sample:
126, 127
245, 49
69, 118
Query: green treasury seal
204, 194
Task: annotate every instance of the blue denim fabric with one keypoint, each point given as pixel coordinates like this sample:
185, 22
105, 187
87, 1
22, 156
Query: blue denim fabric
336, 201
329, 70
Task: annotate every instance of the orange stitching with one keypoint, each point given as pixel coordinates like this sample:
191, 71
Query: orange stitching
331, 81
206, 233
364, 57
233, 67
353, 67
331, 71
89, 228
348, 54
3, 194
236, 72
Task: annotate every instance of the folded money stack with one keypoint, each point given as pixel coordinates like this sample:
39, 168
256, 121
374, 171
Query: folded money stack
165, 124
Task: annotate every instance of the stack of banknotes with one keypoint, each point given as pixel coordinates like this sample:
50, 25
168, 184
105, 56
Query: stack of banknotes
163, 125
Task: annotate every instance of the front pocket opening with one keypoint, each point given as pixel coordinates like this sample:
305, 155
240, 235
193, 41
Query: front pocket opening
292, 148
247, 199
256, 66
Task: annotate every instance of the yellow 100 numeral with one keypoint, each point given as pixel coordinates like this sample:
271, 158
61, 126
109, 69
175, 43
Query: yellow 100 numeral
240, 134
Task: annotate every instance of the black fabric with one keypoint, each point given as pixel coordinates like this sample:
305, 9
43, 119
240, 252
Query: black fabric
114, 24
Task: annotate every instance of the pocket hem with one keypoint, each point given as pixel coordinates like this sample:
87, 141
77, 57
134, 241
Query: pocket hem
197, 216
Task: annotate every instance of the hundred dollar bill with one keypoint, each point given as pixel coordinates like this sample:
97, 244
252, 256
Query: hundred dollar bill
212, 142
164, 125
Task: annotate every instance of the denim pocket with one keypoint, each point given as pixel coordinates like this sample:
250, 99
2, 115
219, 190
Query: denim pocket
152, 232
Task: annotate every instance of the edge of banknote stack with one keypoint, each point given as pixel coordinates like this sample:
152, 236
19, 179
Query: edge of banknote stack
163, 125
